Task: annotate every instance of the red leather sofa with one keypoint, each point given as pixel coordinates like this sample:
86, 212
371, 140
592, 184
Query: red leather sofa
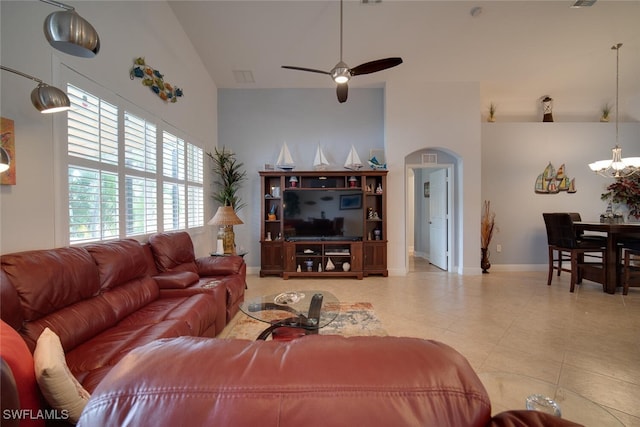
311, 381
179, 272
103, 301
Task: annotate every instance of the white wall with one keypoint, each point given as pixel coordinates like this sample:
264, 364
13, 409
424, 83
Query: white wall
254, 123
514, 154
441, 115
413, 115
127, 30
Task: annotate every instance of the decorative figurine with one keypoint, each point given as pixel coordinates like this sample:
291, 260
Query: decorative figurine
547, 107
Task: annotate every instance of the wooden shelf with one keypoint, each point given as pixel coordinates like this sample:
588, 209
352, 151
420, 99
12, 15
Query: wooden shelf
367, 256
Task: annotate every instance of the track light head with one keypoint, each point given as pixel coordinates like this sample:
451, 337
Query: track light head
49, 99
70, 33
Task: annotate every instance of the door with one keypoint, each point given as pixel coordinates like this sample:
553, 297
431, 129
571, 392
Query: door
438, 219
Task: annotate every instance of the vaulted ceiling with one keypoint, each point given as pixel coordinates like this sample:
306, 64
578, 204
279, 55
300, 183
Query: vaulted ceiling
517, 50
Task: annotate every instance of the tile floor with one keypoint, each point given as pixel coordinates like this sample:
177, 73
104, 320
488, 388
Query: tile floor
587, 342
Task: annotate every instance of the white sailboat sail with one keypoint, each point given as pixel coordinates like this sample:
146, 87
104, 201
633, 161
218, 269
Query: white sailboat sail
353, 161
320, 161
285, 161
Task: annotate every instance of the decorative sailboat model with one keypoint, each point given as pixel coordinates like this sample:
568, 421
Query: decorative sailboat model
320, 162
353, 161
285, 161
551, 181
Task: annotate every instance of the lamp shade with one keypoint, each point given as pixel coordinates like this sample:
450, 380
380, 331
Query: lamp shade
4, 160
70, 33
49, 99
225, 215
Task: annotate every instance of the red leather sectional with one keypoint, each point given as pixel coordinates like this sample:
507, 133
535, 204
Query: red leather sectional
315, 380
103, 300
136, 323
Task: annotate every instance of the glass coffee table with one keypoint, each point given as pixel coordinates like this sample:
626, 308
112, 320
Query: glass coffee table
309, 310
511, 391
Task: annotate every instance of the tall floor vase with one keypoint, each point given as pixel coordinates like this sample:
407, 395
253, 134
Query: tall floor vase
484, 262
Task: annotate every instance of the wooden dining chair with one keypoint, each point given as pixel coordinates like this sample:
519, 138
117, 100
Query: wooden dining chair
631, 267
580, 235
563, 241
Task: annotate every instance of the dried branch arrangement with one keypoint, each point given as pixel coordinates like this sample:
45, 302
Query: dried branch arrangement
487, 224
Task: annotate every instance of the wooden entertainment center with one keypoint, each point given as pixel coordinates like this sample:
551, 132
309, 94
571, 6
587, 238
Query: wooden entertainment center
351, 242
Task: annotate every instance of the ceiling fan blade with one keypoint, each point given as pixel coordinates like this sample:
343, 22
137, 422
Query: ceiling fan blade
343, 91
311, 70
375, 66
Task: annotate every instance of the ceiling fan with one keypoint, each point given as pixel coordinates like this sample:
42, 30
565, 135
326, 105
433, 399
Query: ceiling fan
341, 73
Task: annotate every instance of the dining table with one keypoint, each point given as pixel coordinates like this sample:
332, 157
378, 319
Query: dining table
617, 234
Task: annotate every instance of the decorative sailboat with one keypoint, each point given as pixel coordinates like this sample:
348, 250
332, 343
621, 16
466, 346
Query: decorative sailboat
320, 162
551, 181
285, 161
353, 161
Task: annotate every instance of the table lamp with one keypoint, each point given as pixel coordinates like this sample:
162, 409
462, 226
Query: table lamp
226, 217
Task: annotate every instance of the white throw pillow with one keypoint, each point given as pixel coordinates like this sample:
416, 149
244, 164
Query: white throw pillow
57, 383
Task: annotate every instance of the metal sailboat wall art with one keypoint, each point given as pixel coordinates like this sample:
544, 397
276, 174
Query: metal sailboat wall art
353, 161
285, 161
551, 181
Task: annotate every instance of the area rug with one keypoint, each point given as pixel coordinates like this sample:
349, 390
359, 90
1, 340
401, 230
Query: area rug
354, 319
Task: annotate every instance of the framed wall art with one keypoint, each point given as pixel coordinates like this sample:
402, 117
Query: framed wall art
350, 201
7, 145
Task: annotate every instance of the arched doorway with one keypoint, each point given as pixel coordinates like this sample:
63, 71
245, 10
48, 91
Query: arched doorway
431, 215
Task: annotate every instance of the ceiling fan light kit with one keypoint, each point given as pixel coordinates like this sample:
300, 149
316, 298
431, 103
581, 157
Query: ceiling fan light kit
341, 73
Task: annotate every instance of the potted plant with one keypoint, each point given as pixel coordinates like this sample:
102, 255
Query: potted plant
606, 111
625, 191
492, 113
228, 178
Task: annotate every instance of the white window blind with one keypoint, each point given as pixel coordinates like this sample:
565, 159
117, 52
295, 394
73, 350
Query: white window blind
122, 175
139, 143
173, 196
92, 171
173, 186
195, 190
142, 211
141, 189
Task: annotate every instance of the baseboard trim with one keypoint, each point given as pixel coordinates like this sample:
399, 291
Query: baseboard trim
519, 267
465, 271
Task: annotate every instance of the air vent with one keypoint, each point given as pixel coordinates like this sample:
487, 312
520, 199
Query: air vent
583, 3
429, 159
243, 76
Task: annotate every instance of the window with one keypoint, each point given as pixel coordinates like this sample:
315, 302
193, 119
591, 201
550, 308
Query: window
182, 165
123, 178
141, 213
195, 189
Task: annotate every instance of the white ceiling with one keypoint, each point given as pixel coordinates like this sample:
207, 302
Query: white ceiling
519, 51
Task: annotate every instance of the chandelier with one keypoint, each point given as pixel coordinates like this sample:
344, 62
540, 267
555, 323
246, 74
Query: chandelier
617, 167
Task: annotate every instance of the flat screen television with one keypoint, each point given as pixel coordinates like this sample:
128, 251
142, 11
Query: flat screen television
322, 214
